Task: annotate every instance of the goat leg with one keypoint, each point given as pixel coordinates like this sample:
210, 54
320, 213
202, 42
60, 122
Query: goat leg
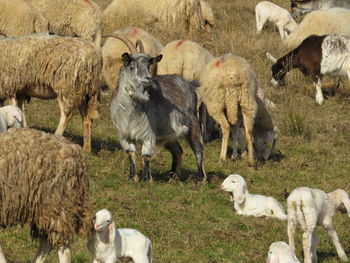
176, 153
132, 160
146, 171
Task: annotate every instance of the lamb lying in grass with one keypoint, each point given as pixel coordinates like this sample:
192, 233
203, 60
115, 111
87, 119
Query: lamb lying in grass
250, 204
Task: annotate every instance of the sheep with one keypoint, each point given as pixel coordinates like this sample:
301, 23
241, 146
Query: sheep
266, 11
249, 204
232, 82
82, 18
315, 56
185, 14
320, 22
18, 18
113, 49
107, 244
207, 13
151, 109
44, 184
280, 252
310, 207
50, 67
300, 7
10, 116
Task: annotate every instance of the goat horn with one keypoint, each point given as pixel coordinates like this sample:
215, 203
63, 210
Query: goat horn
126, 41
139, 43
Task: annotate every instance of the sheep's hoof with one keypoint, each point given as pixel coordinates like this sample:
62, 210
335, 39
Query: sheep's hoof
343, 258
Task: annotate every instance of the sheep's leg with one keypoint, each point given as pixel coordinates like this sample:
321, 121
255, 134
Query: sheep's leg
64, 255
314, 243
291, 234
319, 94
281, 31
84, 112
248, 126
235, 140
64, 118
225, 130
176, 153
43, 250
333, 234
2, 257
203, 121
307, 240
132, 161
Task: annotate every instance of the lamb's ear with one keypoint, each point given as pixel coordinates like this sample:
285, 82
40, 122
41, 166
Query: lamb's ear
346, 202
270, 57
275, 259
111, 230
240, 192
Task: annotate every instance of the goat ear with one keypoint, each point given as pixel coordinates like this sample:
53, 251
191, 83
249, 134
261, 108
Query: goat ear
156, 59
126, 58
111, 230
270, 57
239, 193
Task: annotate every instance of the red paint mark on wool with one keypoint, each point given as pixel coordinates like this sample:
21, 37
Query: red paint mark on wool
179, 43
219, 62
87, 1
133, 32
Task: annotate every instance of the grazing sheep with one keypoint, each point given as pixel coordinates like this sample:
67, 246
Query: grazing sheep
300, 7
81, 18
310, 207
315, 56
280, 252
186, 14
113, 50
320, 22
249, 204
10, 117
151, 109
266, 11
107, 244
50, 67
44, 184
18, 18
232, 82
207, 13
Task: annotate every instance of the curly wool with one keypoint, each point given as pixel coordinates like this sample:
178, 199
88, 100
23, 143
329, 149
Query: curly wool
43, 183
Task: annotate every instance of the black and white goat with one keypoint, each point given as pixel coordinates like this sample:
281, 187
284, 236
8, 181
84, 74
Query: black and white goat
152, 109
315, 56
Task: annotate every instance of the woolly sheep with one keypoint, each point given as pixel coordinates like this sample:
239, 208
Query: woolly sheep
44, 184
250, 204
80, 18
280, 252
310, 207
10, 117
108, 244
207, 13
185, 14
50, 67
320, 22
266, 11
113, 49
232, 82
18, 18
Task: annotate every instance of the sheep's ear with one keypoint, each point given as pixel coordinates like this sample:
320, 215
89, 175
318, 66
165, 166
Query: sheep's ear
111, 230
126, 58
346, 202
274, 259
270, 57
239, 192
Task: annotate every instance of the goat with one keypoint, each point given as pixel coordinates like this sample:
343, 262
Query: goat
302, 7
315, 57
152, 109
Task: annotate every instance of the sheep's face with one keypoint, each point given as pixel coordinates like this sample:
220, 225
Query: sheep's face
281, 252
235, 184
136, 71
102, 220
343, 200
264, 143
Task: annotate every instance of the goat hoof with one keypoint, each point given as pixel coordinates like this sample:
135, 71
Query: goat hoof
133, 177
172, 176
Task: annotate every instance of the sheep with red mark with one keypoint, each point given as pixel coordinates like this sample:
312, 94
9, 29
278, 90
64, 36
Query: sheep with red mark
315, 56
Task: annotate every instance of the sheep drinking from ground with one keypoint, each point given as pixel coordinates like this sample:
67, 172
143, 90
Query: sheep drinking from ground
107, 244
152, 109
266, 11
50, 67
251, 204
232, 82
301, 7
10, 117
315, 56
311, 207
280, 252
44, 184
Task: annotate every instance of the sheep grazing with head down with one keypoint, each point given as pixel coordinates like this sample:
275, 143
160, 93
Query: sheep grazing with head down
107, 244
10, 117
44, 184
311, 207
251, 204
207, 13
280, 252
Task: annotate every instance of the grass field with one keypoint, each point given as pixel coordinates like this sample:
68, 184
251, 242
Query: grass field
191, 224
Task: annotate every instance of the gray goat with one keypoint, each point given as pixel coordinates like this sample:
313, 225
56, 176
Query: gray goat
152, 109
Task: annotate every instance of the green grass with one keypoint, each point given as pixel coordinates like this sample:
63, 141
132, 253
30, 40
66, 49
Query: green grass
191, 224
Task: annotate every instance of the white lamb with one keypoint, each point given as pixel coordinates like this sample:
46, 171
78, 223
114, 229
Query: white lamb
280, 252
310, 207
266, 11
108, 244
250, 204
10, 117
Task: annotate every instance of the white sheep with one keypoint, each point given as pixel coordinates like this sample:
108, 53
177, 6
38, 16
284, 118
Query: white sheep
310, 207
107, 244
251, 204
10, 117
266, 11
280, 252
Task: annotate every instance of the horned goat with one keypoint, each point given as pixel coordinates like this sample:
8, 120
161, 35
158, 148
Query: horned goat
107, 244
154, 109
315, 56
310, 207
44, 184
232, 82
10, 117
301, 7
266, 11
50, 67
250, 204
280, 252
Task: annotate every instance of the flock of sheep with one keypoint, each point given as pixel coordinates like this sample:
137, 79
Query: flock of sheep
160, 95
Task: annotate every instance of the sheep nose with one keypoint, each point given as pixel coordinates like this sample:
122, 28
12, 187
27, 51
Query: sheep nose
222, 187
